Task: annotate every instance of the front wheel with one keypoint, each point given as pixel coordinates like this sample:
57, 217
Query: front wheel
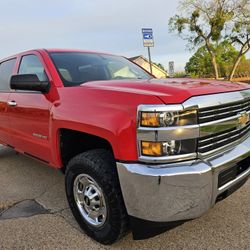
94, 195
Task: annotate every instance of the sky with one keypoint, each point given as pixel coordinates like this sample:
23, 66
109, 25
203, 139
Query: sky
112, 26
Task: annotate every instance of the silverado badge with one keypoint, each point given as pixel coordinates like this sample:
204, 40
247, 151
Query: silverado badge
243, 119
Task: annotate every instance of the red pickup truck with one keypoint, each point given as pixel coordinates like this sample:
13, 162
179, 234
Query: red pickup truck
137, 152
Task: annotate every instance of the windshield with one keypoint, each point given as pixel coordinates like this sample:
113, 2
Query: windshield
76, 68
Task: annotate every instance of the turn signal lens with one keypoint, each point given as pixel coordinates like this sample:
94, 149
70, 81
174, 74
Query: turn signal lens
150, 119
151, 148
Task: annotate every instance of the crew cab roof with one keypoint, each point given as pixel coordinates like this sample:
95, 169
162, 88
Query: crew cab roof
53, 50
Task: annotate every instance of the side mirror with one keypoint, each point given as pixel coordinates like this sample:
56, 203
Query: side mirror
29, 82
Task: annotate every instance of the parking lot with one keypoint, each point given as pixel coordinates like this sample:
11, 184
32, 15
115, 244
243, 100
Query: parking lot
34, 215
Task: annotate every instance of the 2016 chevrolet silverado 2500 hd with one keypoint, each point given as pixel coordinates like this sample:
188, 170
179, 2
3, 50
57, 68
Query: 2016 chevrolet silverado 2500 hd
137, 152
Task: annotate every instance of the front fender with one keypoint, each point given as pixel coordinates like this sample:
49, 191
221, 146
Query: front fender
101, 113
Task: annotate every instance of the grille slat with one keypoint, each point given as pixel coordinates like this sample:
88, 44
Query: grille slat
215, 141
213, 114
220, 136
223, 111
239, 106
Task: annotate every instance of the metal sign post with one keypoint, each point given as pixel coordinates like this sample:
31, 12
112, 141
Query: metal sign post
148, 41
150, 62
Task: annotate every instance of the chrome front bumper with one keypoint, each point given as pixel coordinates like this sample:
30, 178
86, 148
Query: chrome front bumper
180, 191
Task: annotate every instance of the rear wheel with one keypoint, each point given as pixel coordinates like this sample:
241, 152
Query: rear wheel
94, 195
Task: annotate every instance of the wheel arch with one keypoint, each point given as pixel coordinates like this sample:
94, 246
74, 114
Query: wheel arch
74, 142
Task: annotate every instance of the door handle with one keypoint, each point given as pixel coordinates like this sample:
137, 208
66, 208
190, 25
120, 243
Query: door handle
12, 103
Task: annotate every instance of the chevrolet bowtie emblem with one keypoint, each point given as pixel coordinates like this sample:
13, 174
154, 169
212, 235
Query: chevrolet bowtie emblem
243, 119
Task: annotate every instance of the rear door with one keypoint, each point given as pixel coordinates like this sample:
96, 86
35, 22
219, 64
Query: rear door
30, 112
6, 70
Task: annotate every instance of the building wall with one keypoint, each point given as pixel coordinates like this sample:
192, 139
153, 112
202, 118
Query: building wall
156, 72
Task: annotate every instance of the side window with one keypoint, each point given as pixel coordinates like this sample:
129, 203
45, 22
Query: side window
31, 65
6, 69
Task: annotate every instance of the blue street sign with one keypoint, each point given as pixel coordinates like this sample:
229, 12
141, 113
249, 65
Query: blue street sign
148, 39
147, 36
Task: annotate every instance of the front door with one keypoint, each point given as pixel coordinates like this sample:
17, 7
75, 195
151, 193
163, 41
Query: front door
29, 113
6, 70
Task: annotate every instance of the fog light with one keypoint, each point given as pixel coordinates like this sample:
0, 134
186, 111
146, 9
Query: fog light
168, 148
151, 148
171, 147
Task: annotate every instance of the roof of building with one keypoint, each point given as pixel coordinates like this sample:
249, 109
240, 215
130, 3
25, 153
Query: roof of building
145, 59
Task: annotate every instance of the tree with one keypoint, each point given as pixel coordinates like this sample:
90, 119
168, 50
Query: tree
160, 66
243, 69
200, 63
240, 35
206, 22
226, 57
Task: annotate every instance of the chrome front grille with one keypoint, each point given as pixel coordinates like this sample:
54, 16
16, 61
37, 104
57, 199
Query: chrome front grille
215, 141
223, 120
215, 113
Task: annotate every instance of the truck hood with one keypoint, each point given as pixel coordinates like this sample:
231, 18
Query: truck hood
169, 90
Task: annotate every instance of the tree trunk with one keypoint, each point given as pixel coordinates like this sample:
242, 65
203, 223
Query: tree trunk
236, 64
213, 57
215, 66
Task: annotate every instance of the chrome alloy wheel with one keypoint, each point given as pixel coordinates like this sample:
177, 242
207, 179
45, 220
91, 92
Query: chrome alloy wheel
90, 200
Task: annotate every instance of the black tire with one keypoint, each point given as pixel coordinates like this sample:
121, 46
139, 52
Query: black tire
100, 165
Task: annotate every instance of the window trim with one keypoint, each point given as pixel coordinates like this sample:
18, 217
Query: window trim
20, 62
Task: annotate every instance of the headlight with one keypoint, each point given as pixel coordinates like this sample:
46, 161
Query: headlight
167, 133
168, 148
168, 118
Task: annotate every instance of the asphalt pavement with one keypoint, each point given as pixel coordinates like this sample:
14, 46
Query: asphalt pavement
34, 214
